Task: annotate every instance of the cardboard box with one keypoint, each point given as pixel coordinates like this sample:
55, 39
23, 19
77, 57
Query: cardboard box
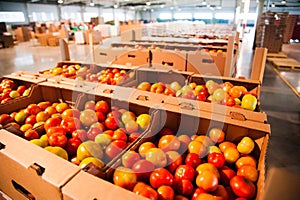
133, 58
87, 186
185, 121
31, 172
28, 79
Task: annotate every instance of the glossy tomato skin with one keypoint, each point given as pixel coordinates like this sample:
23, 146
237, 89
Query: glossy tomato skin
217, 159
145, 190
160, 177
185, 172
110, 123
165, 192
242, 187
183, 187
58, 139
72, 145
192, 159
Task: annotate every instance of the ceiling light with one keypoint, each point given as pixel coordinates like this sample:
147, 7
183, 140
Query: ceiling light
171, 8
152, 10
116, 6
219, 7
283, 2
132, 8
208, 5
148, 3
60, 1
204, 2
162, 6
273, 5
92, 4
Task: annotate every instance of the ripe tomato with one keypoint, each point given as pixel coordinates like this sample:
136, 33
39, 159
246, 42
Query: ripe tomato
70, 113
145, 190
249, 172
207, 181
110, 123
160, 177
185, 172
197, 147
31, 134
119, 134
217, 135
193, 160
102, 106
183, 187
101, 116
72, 145
242, 187
80, 134
51, 122
55, 129
169, 143
57, 139
197, 192
70, 124
217, 159
165, 192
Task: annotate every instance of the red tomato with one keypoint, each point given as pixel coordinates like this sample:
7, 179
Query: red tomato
111, 123
31, 134
242, 187
51, 122
102, 106
197, 192
56, 129
160, 177
58, 139
119, 134
217, 159
80, 134
72, 145
192, 159
183, 187
145, 190
101, 116
70, 124
165, 192
185, 172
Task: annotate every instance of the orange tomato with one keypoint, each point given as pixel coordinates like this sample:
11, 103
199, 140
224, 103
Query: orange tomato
165, 192
235, 91
197, 147
207, 181
145, 147
169, 143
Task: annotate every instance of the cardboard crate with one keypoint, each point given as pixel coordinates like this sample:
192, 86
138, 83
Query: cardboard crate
133, 58
76, 97
160, 75
28, 79
31, 172
184, 121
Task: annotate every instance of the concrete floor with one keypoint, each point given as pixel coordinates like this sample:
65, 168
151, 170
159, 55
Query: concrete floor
277, 100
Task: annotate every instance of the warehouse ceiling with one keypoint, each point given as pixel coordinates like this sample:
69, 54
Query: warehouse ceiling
152, 4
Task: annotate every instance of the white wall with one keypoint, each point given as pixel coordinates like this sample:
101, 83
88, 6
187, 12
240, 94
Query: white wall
41, 12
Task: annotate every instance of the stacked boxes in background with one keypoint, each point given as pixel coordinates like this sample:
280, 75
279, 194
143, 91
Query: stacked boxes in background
270, 31
290, 24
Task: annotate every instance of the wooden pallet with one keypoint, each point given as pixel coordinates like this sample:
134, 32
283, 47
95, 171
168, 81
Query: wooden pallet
287, 65
272, 59
277, 55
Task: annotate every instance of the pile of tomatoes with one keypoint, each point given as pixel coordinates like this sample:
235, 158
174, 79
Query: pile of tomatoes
190, 167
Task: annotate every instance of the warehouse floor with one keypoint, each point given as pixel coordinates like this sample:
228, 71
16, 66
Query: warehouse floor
278, 100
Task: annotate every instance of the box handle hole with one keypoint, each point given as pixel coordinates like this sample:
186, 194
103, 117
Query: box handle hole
22, 190
2, 146
39, 169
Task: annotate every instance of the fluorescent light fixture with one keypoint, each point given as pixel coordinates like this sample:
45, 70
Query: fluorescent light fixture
132, 8
208, 5
152, 10
204, 2
92, 4
283, 2
219, 7
60, 1
148, 3
172, 8
116, 6
273, 5
162, 6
